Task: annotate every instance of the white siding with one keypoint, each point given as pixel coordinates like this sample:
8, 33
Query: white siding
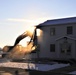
47, 39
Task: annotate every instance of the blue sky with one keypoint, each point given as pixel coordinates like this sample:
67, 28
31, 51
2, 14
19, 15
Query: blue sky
17, 15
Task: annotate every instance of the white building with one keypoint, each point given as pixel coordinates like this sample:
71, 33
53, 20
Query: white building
58, 39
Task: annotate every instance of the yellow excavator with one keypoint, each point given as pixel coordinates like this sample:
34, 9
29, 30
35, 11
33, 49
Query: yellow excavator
18, 51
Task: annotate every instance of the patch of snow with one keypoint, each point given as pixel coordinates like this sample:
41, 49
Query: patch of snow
74, 72
41, 67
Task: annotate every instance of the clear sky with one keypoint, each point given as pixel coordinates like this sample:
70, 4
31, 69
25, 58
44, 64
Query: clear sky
17, 15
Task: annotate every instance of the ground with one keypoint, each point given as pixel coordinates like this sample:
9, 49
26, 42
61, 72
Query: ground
21, 68
12, 71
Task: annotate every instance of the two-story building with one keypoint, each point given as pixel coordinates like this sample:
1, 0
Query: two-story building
57, 38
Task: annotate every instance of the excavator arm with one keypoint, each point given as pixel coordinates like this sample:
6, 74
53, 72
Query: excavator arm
14, 50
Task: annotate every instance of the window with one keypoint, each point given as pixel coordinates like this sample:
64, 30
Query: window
52, 47
69, 49
66, 48
69, 30
52, 31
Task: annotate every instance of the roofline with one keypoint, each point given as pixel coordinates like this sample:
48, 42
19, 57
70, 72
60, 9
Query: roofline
58, 21
66, 37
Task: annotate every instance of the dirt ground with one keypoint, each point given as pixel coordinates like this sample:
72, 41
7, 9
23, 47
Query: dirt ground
13, 71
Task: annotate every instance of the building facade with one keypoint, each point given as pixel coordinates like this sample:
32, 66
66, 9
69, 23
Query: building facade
58, 39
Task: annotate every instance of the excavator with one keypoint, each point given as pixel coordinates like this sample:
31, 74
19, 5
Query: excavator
18, 51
